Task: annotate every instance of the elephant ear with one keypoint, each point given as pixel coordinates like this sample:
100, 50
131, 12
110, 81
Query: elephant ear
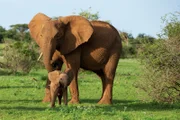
78, 31
36, 25
53, 76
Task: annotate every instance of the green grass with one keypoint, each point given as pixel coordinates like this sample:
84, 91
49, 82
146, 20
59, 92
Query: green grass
20, 98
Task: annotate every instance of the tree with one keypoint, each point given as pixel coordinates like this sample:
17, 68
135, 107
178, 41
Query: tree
130, 36
12, 34
89, 15
2, 29
172, 25
161, 61
141, 35
129, 49
1, 38
142, 38
2, 33
21, 29
172, 29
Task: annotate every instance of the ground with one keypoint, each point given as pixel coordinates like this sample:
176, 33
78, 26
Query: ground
21, 95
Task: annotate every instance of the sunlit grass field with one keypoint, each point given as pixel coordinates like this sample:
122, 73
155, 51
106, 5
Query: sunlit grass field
21, 96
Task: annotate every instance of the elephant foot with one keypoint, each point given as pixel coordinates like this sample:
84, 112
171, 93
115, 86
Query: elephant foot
105, 102
73, 101
46, 99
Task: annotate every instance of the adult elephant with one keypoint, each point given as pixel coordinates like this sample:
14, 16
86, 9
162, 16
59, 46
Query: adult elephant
94, 46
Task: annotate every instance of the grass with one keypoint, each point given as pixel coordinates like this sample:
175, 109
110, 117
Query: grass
21, 95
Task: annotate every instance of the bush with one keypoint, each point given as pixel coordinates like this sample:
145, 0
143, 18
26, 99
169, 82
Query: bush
161, 78
20, 56
1, 38
161, 60
129, 51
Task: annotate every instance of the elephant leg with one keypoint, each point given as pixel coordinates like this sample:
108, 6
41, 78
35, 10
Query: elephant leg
47, 97
65, 95
60, 94
59, 99
73, 61
101, 74
74, 89
109, 71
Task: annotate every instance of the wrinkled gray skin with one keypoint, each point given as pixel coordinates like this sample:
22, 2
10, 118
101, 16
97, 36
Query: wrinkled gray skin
58, 86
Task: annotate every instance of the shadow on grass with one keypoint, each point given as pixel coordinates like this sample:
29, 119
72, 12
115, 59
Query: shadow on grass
138, 105
118, 105
5, 87
96, 101
20, 101
24, 108
133, 105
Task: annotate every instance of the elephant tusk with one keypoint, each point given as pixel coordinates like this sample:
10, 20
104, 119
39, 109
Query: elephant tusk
40, 56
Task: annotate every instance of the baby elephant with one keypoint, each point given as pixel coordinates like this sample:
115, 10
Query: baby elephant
59, 83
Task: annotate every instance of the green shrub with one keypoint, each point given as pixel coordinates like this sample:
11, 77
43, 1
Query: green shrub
129, 51
161, 61
161, 78
20, 56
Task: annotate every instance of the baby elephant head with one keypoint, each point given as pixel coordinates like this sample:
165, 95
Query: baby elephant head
58, 87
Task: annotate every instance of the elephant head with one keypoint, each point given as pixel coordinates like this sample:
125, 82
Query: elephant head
59, 83
64, 34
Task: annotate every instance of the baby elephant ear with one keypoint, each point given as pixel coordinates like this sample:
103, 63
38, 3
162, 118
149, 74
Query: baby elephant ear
63, 79
66, 77
53, 75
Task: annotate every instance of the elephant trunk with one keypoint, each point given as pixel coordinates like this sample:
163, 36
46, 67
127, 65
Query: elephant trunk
48, 51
